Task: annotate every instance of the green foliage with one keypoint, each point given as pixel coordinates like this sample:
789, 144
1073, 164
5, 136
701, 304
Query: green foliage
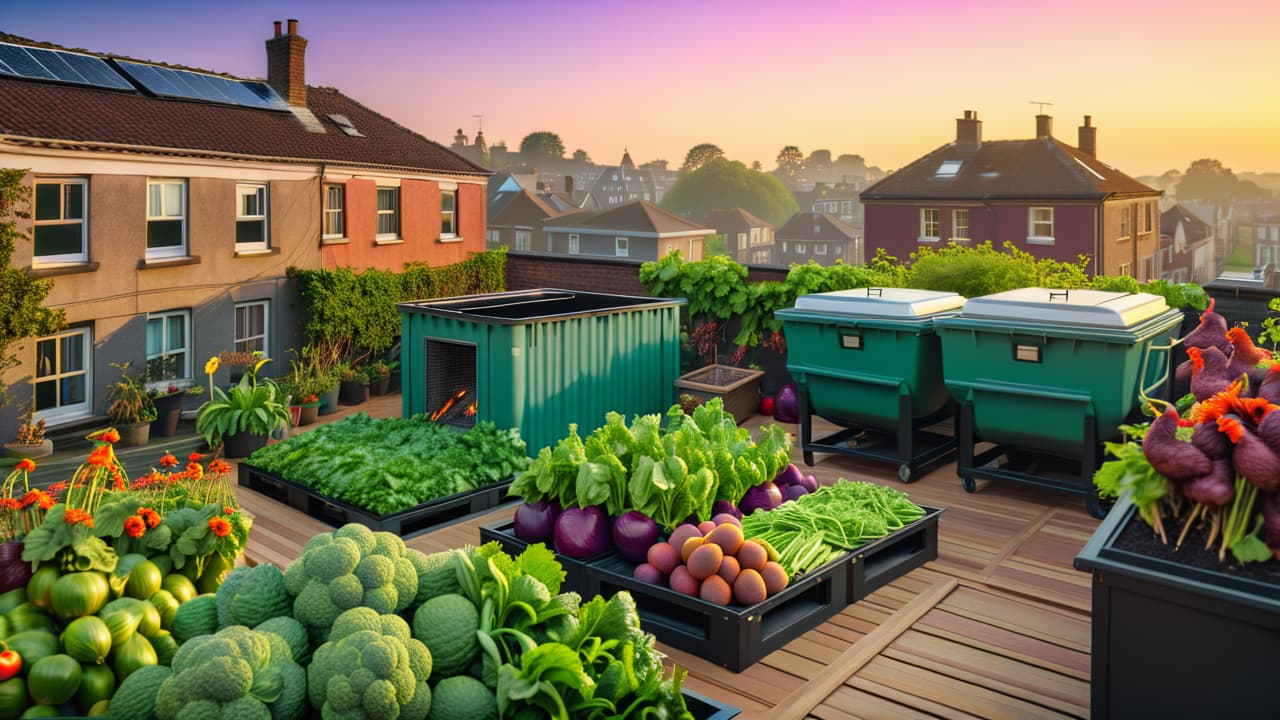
251, 406
252, 596
721, 183
130, 401
22, 310
1271, 324
356, 312
370, 668
237, 672
715, 245
392, 464
542, 143
700, 155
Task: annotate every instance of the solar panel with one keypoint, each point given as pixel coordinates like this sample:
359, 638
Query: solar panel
35, 63
170, 82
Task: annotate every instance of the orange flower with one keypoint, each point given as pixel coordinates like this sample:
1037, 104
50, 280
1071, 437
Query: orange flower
77, 516
26, 465
168, 461
117, 482
31, 498
195, 471
151, 516
101, 456
195, 457
45, 501
228, 510
134, 526
220, 527
57, 487
9, 504
219, 467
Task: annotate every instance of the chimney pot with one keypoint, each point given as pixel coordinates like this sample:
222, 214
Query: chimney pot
277, 24
1088, 121
286, 65
1088, 143
293, 26
1044, 126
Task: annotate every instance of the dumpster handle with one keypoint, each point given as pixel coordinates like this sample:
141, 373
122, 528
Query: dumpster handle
880, 380
878, 291
1064, 294
1144, 391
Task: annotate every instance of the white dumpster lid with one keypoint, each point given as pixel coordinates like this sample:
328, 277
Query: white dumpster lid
1094, 308
903, 303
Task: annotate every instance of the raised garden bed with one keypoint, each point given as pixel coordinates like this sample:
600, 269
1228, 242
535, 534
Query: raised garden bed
1177, 635
405, 523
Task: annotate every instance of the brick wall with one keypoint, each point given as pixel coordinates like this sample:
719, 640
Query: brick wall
528, 270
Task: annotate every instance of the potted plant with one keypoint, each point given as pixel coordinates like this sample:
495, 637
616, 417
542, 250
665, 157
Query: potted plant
238, 362
739, 388
243, 418
319, 374
379, 373
131, 409
29, 441
355, 386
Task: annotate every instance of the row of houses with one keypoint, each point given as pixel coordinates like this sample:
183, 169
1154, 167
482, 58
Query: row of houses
169, 201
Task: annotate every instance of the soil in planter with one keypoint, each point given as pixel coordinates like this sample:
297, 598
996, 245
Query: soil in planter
718, 375
1137, 537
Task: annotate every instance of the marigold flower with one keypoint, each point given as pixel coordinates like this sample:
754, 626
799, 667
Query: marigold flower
211, 367
111, 436
168, 460
57, 487
150, 516
9, 504
194, 471
220, 527
26, 465
195, 457
77, 516
101, 456
45, 501
219, 467
31, 498
228, 510
134, 526
117, 482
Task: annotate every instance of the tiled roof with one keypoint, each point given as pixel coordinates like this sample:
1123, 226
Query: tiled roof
40, 113
1012, 169
524, 210
816, 226
1195, 228
633, 217
735, 220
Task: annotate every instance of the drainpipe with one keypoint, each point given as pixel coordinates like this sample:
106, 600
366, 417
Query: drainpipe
321, 170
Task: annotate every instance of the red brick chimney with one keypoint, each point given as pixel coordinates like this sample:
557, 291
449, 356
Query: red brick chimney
1088, 138
286, 64
969, 129
1044, 126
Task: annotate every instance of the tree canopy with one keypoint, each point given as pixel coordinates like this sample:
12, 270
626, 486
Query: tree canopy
698, 155
721, 184
22, 310
542, 143
1211, 181
790, 161
581, 155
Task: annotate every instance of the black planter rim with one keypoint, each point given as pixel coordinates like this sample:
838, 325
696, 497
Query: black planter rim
1101, 556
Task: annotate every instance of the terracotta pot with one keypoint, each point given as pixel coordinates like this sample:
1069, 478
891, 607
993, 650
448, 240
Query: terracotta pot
39, 450
134, 435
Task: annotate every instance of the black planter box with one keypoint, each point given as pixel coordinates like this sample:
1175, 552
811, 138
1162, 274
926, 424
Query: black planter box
880, 562
576, 579
705, 708
405, 523
1174, 641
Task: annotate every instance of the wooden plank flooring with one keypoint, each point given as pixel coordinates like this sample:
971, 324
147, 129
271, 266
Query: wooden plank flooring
997, 627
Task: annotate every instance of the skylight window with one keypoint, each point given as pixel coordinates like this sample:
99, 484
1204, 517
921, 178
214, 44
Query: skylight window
346, 125
1091, 170
948, 168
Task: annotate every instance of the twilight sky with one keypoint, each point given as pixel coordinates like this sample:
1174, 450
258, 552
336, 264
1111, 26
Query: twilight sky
1166, 81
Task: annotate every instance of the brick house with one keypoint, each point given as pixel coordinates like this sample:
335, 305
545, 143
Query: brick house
626, 183
168, 202
819, 237
637, 230
1042, 196
749, 239
1186, 247
518, 220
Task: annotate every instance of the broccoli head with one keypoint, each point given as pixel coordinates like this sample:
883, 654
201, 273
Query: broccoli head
370, 668
235, 673
251, 596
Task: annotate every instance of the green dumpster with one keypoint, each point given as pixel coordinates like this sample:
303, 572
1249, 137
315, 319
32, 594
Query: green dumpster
539, 360
869, 359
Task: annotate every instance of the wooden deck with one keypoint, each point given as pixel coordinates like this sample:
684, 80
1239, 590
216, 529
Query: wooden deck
997, 627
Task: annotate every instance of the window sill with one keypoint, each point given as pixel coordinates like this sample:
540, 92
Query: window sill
959, 241
450, 239
397, 240
1033, 240
928, 239
336, 240
44, 271
257, 253
154, 263
1124, 238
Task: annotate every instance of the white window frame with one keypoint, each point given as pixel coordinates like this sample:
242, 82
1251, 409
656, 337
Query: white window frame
930, 219
183, 373
395, 212
742, 241
1125, 269
452, 215
165, 216
801, 248
956, 225
63, 413
83, 221
492, 238
1125, 230
575, 244
1039, 238
622, 247
331, 212
820, 249
244, 190
237, 339
755, 236
524, 240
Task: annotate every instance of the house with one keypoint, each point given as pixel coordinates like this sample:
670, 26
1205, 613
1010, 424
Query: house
1186, 247
819, 237
169, 201
749, 239
1041, 195
637, 230
623, 184
1262, 228
839, 199
519, 220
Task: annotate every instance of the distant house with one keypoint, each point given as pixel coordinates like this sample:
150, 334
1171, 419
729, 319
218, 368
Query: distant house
1042, 196
169, 201
1186, 248
1263, 228
839, 199
626, 183
518, 221
638, 230
749, 239
819, 237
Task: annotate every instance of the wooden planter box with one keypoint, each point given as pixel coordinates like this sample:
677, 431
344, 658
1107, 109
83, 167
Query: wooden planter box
1175, 641
739, 387
405, 523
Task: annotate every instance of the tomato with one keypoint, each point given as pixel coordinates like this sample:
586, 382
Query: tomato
10, 662
766, 405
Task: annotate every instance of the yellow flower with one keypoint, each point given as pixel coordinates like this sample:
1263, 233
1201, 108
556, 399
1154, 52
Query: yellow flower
211, 367
258, 365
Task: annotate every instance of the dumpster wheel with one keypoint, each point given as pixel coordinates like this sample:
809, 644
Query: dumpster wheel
970, 485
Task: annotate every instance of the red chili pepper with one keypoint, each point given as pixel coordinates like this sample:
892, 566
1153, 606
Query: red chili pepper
10, 662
